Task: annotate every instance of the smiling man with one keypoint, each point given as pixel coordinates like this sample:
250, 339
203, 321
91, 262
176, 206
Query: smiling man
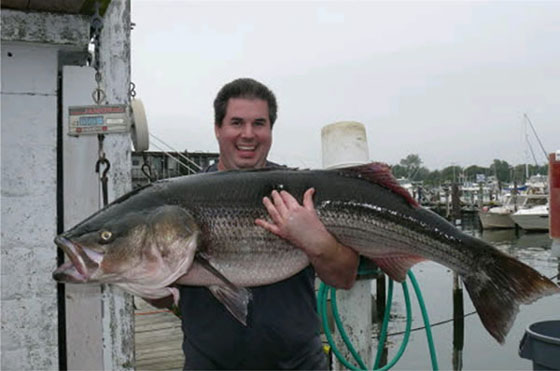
244, 134
282, 329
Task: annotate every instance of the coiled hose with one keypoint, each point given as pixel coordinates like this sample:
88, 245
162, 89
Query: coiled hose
322, 303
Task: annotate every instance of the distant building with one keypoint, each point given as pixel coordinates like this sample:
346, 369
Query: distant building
162, 165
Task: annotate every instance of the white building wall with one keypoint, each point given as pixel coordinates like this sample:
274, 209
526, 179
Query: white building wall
30, 48
28, 199
118, 318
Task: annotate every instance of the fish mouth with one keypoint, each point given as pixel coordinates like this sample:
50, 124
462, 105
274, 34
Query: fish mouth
83, 262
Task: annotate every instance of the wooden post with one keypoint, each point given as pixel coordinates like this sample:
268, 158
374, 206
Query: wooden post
481, 196
455, 202
514, 195
381, 306
458, 322
447, 204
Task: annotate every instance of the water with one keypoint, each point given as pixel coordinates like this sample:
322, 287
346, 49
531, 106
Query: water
480, 351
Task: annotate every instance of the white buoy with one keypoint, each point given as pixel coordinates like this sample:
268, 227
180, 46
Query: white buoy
345, 144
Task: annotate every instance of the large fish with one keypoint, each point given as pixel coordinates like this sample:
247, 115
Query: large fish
200, 230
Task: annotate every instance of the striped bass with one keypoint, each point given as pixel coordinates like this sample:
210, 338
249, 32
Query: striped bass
200, 230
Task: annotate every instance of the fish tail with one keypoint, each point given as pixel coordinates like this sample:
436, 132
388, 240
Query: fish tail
497, 288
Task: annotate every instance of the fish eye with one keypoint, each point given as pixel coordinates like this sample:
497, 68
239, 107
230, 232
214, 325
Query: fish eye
105, 236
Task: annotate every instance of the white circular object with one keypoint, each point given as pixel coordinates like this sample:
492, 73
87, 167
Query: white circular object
139, 130
344, 144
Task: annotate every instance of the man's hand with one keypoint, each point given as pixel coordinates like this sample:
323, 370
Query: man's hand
296, 223
335, 264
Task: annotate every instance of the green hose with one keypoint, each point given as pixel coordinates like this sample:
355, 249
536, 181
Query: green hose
383, 333
322, 300
406, 334
322, 304
426, 320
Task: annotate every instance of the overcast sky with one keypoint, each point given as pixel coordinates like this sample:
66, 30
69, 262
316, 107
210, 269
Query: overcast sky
449, 81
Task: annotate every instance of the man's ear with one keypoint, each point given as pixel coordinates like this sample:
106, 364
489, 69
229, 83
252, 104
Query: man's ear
217, 131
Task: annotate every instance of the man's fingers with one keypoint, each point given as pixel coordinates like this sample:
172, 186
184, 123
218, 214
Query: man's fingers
279, 203
268, 226
308, 199
289, 200
272, 211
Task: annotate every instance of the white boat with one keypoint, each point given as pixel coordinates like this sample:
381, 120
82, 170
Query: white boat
532, 219
496, 217
500, 216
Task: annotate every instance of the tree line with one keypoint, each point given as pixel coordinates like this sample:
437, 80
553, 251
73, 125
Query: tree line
411, 168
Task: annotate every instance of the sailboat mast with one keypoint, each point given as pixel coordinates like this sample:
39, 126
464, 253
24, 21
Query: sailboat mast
536, 136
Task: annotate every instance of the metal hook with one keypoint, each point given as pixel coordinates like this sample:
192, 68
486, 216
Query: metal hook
147, 170
105, 162
132, 90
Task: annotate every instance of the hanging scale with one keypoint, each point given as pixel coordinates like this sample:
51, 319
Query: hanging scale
103, 118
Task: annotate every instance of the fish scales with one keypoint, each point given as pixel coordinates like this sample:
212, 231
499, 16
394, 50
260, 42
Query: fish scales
200, 230
245, 253
374, 237
341, 202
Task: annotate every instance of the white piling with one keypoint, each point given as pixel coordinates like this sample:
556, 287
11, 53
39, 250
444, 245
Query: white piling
345, 144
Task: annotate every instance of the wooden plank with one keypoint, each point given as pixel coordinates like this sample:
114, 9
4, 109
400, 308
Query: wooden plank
158, 338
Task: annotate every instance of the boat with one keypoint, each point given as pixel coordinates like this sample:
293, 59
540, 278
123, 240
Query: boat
496, 217
532, 219
501, 216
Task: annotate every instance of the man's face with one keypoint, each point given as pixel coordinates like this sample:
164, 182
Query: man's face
245, 136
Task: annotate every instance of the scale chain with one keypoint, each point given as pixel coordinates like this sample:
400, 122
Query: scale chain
99, 96
96, 26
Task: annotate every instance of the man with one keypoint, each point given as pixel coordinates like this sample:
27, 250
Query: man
282, 330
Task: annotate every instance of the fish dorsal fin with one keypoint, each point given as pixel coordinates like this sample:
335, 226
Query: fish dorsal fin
380, 174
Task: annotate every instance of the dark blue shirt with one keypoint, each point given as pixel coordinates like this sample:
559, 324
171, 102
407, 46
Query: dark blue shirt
282, 329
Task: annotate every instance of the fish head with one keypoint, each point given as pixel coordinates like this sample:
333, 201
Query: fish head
144, 248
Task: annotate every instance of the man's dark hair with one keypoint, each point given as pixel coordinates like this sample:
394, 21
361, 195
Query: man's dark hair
246, 88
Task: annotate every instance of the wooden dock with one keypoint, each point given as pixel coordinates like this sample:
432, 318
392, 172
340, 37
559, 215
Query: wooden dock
158, 338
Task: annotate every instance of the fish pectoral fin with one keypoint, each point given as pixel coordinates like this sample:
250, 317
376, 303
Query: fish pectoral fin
397, 266
204, 263
235, 300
